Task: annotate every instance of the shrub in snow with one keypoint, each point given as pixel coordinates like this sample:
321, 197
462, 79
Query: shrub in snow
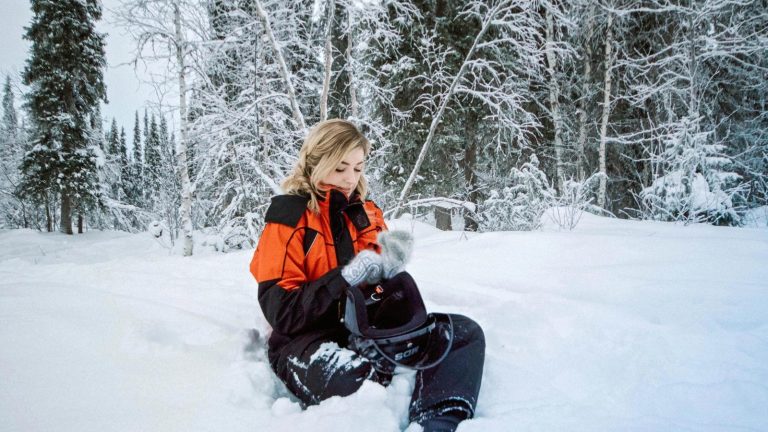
237, 233
696, 184
161, 233
241, 232
678, 196
210, 239
519, 207
574, 200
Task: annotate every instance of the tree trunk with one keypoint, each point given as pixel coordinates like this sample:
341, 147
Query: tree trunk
582, 141
48, 218
354, 108
24, 218
256, 84
443, 218
186, 187
80, 223
601, 198
693, 108
469, 165
328, 54
66, 213
554, 100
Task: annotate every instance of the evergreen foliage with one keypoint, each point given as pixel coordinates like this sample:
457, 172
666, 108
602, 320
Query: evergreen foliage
521, 205
15, 211
65, 74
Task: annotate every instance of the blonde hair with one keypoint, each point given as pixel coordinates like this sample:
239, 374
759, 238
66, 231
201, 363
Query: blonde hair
326, 145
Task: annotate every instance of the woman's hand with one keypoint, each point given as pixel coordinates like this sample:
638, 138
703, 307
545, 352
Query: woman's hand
396, 248
370, 268
365, 267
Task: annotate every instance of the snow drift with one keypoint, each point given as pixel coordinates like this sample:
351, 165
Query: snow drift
615, 326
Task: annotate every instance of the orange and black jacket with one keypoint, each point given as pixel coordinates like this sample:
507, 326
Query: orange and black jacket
298, 263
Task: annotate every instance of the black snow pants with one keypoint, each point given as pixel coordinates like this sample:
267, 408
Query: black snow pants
325, 368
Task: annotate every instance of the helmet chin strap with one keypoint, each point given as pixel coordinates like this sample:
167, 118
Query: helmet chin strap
372, 348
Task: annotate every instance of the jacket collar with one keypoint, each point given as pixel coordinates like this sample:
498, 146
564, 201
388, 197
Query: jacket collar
334, 202
336, 197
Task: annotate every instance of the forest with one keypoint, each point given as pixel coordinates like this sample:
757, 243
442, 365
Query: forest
483, 115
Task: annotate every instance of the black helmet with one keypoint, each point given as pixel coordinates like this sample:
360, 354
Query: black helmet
390, 321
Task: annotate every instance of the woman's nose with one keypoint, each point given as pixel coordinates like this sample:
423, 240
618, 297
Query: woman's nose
349, 178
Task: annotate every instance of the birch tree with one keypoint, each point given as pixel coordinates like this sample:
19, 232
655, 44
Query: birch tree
163, 30
552, 53
586, 91
327, 60
245, 115
484, 76
608, 55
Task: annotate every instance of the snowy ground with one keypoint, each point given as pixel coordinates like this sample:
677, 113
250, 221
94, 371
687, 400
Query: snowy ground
615, 326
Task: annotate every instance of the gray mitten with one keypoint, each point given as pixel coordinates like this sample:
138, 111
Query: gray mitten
367, 266
396, 248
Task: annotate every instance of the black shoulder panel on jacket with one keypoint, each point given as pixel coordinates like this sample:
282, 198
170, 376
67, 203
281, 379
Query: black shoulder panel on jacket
286, 209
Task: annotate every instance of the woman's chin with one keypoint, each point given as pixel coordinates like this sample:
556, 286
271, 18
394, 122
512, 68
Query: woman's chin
346, 192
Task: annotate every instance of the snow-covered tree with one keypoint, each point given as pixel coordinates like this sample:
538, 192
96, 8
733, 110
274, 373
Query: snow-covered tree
520, 204
458, 94
132, 182
170, 31
556, 54
681, 79
696, 179
482, 63
259, 85
65, 72
13, 210
113, 160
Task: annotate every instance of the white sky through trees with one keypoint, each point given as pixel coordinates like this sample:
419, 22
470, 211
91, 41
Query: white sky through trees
125, 91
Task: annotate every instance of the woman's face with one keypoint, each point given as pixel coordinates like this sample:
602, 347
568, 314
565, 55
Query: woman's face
347, 173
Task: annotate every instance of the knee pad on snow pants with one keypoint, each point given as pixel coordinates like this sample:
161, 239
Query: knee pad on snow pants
326, 370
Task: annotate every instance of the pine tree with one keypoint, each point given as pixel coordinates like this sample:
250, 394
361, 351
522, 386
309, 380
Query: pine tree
133, 181
9, 129
153, 166
65, 72
113, 140
113, 162
169, 184
136, 150
123, 154
11, 151
145, 136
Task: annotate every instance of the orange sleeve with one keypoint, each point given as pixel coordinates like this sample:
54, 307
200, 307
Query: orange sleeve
280, 255
290, 303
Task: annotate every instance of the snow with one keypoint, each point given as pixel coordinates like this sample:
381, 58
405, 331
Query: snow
614, 326
757, 217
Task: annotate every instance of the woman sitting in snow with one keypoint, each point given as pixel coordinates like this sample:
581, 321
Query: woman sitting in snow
322, 239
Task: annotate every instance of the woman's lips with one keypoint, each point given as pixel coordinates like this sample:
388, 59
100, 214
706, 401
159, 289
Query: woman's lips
345, 191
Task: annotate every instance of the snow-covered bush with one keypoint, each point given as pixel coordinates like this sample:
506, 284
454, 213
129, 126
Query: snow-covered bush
697, 183
519, 207
241, 232
209, 238
680, 196
575, 198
